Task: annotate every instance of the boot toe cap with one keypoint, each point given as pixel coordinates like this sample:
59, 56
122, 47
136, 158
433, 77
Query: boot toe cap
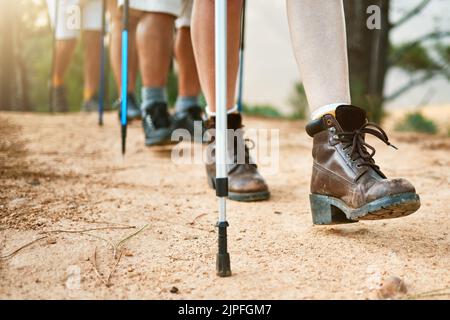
248, 184
389, 187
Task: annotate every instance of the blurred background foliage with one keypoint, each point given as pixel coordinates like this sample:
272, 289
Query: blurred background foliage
372, 55
416, 122
26, 42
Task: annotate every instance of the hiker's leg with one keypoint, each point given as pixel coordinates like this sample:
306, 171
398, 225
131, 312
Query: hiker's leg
92, 34
319, 41
244, 181
187, 106
188, 82
203, 40
65, 43
92, 53
155, 43
65, 38
346, 185
116, 46
154, 39
63, 55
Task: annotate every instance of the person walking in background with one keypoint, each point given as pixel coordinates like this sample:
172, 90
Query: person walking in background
187, 106
346, 184
71, 15
157, 12
152, 24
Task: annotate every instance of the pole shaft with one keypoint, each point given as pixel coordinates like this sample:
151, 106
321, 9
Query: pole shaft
101, 101
221, 96
124, 71
220, 12
241, 80
241, 59
124, 76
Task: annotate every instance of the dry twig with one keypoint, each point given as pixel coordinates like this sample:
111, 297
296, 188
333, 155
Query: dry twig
94, 264
20, 248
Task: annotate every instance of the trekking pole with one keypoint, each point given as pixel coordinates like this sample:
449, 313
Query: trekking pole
124, 98
241, 59
52, 71
223, 257
101, 100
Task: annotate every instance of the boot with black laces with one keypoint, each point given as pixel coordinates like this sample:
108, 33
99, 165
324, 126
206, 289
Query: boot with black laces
157, 124
245, 183
346, 184
188, 119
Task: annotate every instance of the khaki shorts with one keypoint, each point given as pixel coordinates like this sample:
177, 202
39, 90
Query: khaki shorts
75, 15
182, 9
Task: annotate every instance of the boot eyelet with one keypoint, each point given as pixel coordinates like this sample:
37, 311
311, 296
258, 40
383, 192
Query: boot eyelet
329, 122
332, 129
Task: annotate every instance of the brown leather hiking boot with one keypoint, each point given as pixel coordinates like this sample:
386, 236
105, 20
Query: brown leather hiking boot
244, 181
346, 184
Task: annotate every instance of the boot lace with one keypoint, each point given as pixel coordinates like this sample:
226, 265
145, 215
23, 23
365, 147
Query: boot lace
359, 147
248, 145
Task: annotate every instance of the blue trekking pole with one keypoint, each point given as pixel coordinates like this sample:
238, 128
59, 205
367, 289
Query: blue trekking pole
124, 93
241, 59
223, 268
101, 100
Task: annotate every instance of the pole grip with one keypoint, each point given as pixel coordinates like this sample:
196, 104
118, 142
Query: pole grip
222, 187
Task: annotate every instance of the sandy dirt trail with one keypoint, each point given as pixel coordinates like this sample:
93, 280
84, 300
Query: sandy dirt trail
62, 172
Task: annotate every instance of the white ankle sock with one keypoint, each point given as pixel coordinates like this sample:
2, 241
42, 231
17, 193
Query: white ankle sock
213, 114
329, 108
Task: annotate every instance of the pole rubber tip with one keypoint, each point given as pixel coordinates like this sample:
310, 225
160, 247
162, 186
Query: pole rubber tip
223, 268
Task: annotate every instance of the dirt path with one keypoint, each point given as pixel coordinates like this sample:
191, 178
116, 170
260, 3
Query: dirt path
65, 173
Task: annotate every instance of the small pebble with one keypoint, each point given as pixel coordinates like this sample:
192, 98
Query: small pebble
51, 241
392, 286
35, 182
128, 253
174, 290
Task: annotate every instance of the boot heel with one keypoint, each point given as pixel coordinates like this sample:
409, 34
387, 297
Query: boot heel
324, 213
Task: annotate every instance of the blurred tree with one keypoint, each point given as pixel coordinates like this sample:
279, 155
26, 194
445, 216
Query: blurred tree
7, 55
367, 50
371, 55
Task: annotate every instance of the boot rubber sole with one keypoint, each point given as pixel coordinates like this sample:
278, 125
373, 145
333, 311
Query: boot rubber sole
159, 142
328, 210
129, 118
161, 138
242, 197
